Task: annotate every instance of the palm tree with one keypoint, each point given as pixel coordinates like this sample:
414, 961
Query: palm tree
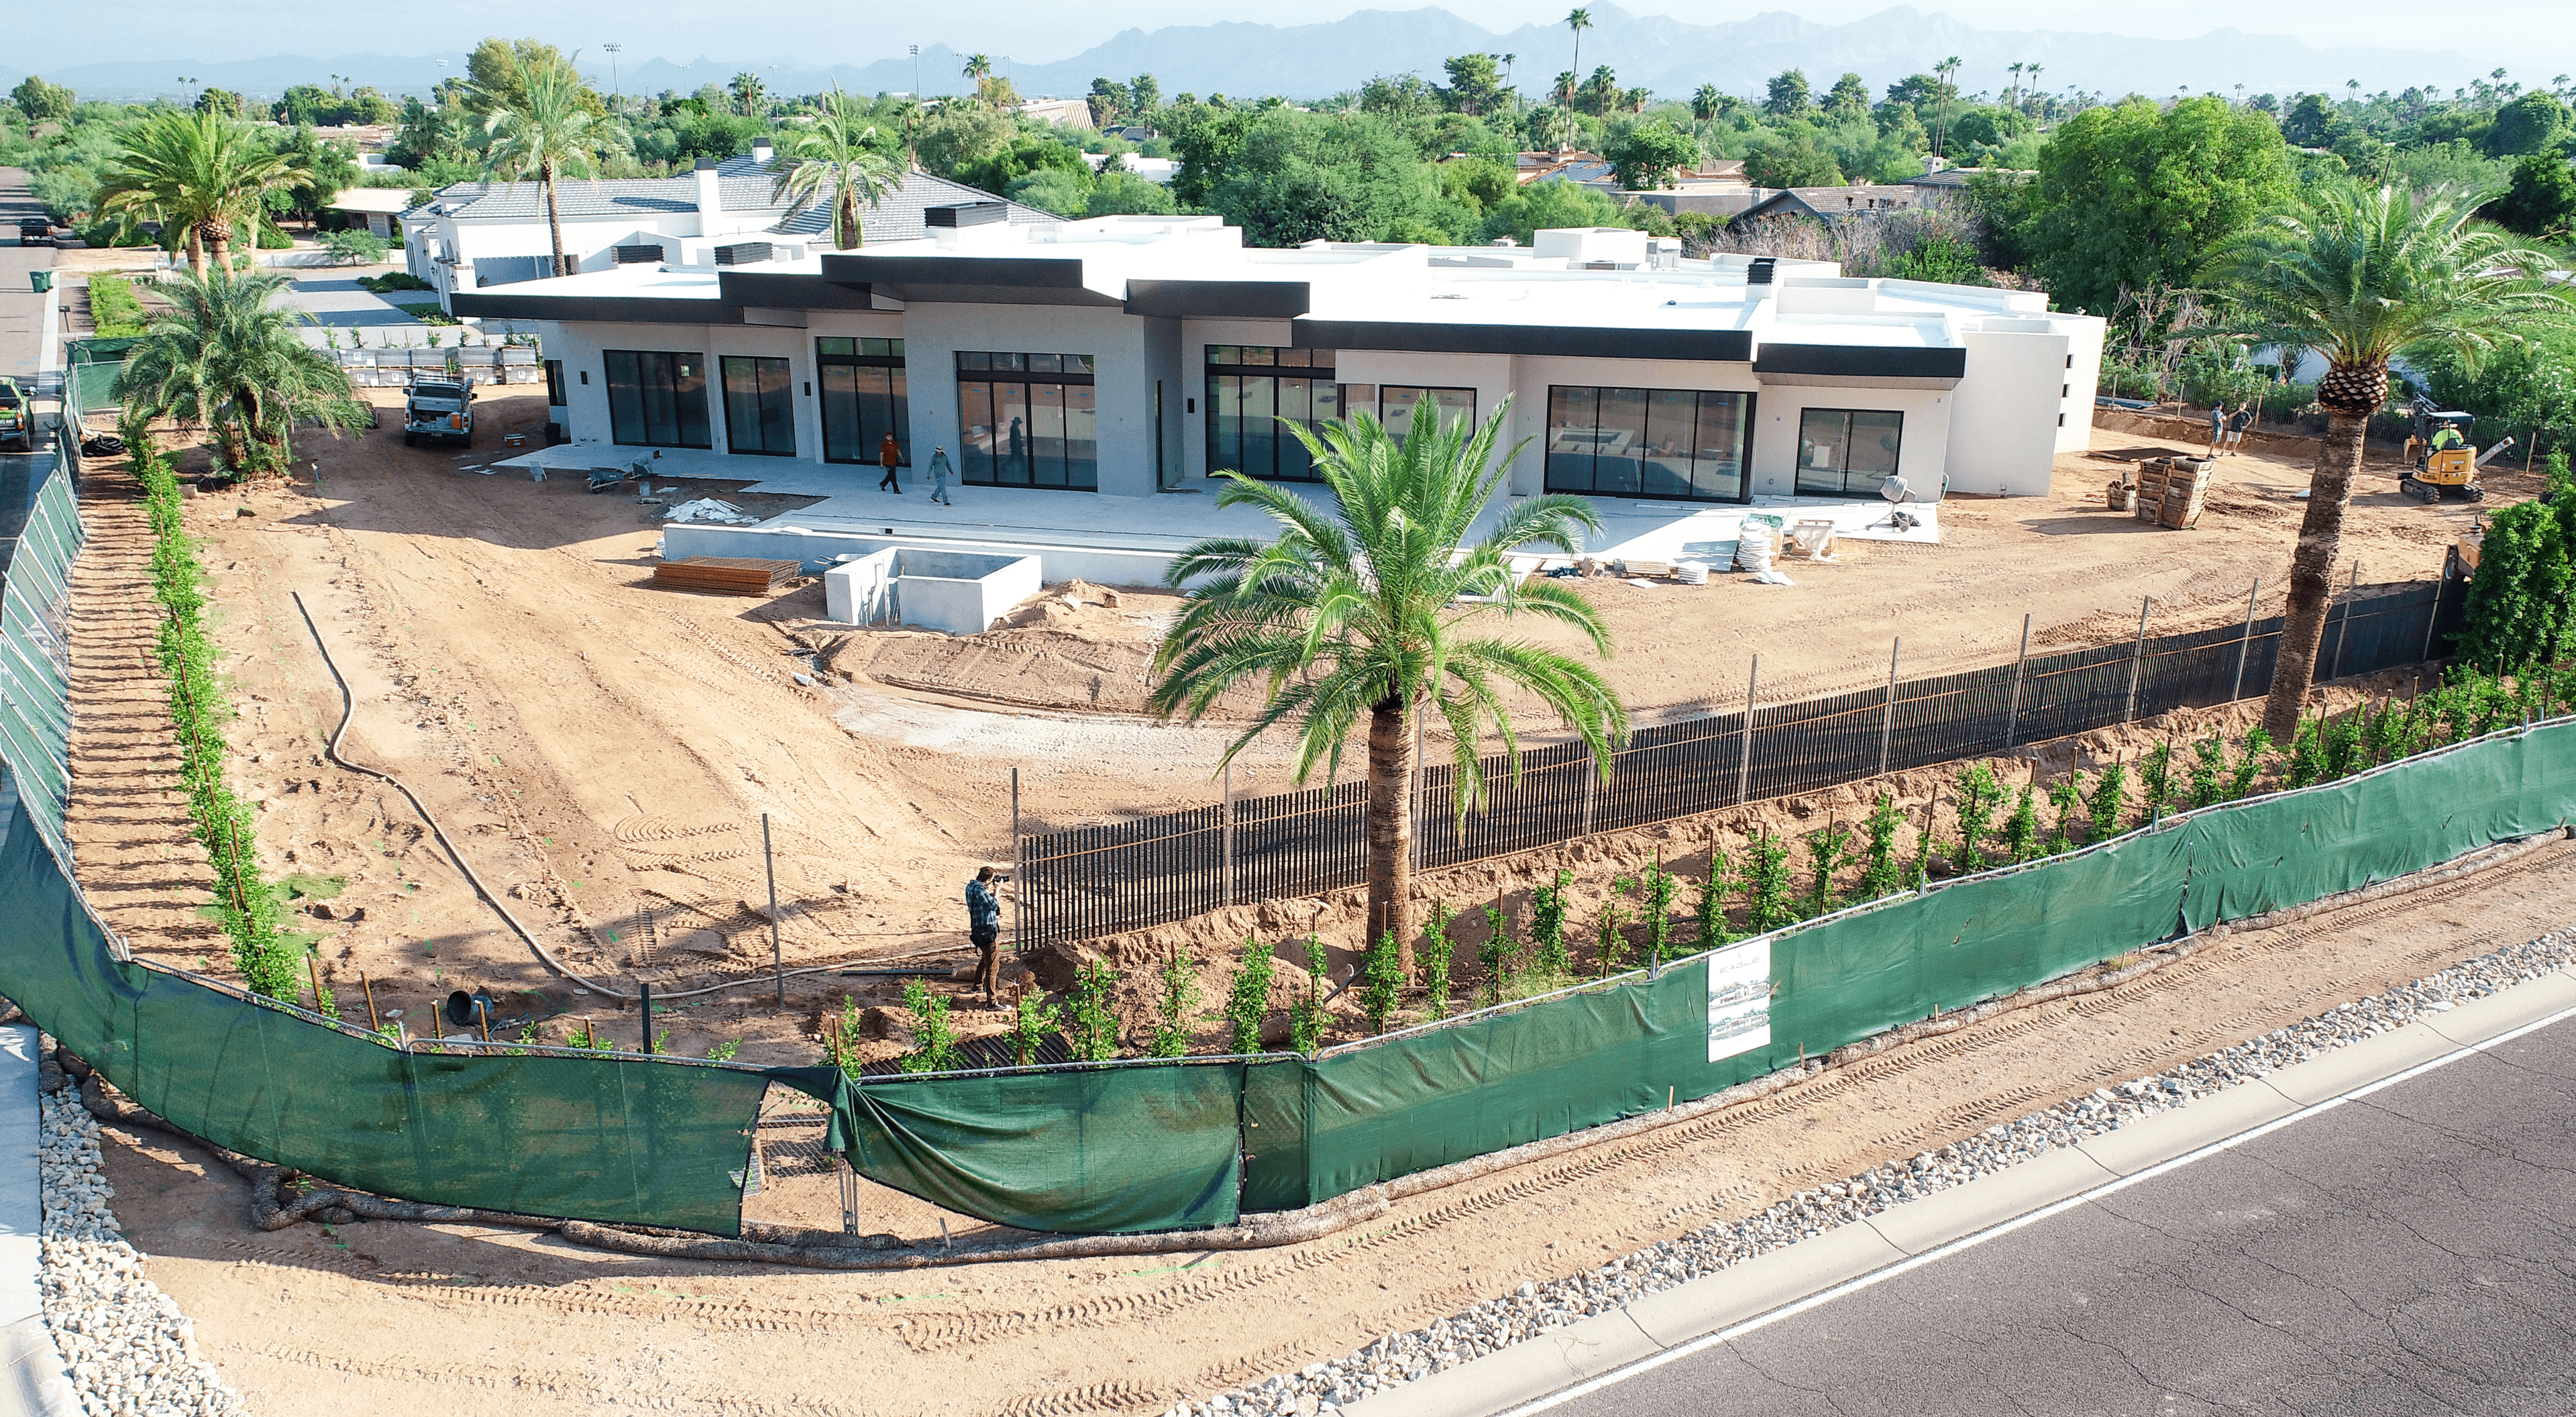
197, 171
548, 132
1946, 69
1704, 103
979, 67
224, 358
748, 92
2013, 87
2031, 72
1366, 615
1577, 20
2362, 275
832, 156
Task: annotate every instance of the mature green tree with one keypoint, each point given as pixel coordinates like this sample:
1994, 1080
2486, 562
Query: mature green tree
1399, 96
2364, 275
1577, 20
1602, 95
2534, 123
1544, 205
1849, 99
223, 103
2133, 193
750, 95
1027, 153
1705, 102
960, 135
837, 159
2541, 200
1475, 84
198, 171
227, 359
1792, 159
543, 128
1368, 612
323, 170
1788, 95
1110, 102
1118, 192
42, 102
496, 74
1645, 156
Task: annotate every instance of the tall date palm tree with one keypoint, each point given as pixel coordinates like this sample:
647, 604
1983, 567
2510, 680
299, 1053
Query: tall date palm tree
2362, 275
198, 171
1369, 614
831, 157
547, 132
228, 359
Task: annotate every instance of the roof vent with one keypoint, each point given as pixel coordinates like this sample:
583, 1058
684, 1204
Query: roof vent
742, 253
643, 255
964, 214
1759, 273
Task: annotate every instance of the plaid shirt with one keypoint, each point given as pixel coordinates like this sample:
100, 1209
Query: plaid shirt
983, 908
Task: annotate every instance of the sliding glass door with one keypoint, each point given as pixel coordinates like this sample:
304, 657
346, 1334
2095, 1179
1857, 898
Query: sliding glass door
657, 399
760, 406
864, 400
1679, 444
1027, 420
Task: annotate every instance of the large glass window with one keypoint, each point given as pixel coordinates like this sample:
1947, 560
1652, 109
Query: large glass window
1027, 420
1397, 402
760, 406
1678, 444
555, 384
1843, 451
863, 400
657, 399
1249, 389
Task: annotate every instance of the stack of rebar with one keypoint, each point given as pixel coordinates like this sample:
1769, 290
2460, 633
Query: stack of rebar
728, 575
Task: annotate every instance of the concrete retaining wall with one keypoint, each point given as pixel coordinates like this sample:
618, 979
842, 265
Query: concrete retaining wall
959, 592
821, 550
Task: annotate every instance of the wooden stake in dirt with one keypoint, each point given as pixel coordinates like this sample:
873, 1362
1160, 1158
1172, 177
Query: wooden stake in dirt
644, 1002
2137, 662
1020, 946
374, 1023
313, 971
2350, 591
1887, 715
2012, 716
1744, 764
777, 955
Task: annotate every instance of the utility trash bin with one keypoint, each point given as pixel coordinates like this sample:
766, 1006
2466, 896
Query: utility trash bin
44, 280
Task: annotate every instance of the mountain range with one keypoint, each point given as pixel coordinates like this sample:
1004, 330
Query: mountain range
1670, 57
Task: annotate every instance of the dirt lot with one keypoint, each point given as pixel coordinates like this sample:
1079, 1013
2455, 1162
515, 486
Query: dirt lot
604, 753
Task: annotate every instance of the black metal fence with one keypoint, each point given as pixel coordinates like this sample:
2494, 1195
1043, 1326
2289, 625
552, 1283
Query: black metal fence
1100, 880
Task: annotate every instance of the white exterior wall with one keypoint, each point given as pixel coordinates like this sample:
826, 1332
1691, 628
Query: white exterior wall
1922, 449
2003, 433
1122, 376
2085, 336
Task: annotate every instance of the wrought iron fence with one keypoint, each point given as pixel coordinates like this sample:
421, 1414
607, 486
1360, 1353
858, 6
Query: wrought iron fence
1099, 880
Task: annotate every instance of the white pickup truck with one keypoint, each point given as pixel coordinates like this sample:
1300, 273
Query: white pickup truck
440, 409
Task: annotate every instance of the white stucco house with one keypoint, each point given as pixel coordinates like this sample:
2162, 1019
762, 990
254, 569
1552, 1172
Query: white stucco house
1132, 355
477, 234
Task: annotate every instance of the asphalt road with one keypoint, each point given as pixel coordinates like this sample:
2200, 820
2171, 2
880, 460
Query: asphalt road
2412, 1251
21, 310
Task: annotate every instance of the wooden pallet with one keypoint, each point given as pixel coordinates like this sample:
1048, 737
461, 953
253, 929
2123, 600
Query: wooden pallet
727, 575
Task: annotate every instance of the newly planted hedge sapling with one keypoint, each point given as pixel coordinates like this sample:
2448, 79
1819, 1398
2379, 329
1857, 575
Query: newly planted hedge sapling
1828, 851
1881, 873
1247, 1001
1176, 1009
1714, 888
1610, 927
1553, 956
1769, 898
1095, 1027
934, 1040
1657, 889
1033, 1017
1433, 955
1383, 970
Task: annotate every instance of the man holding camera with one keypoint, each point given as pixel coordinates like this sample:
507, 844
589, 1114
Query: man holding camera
984, 926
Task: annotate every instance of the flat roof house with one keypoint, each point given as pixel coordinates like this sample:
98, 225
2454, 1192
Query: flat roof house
477, 234
1137, 354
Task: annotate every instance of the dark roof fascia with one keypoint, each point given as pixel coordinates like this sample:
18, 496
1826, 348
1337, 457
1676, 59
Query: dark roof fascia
1589, 342
789, 290
968, 280
1862, 361
1220, 299
496, 304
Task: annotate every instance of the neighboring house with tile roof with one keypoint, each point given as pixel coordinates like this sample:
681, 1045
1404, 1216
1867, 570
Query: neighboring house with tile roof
1830, 204
477, 234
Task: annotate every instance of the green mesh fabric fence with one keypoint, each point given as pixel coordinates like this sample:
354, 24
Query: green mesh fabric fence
610, 1139
1117, 1149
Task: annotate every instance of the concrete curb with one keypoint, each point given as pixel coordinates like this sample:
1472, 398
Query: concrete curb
33, 1377
1524, 1376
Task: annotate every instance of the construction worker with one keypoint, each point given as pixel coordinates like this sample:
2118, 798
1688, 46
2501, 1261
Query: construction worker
2449, 438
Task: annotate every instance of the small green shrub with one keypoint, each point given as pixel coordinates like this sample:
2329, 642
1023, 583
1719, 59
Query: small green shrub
934, 1040
1498, 954
1828, 851
1769, 898
1881, 873
1657, 889
1095, 1027
1306, 1020
2249, 763
1433, 955
1714, 888
1610, 925
2108, 802
1033, 1017
1247, 1002
1174, 1010
1383, 968
2021, 829
1979, 795
2066, 808
1552, 955
352, 247
2156, 782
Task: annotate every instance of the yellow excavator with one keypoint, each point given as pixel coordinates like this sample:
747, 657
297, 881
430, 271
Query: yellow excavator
2441, 460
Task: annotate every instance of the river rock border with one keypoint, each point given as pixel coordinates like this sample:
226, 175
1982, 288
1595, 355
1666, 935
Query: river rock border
130, 1351
1534, 1308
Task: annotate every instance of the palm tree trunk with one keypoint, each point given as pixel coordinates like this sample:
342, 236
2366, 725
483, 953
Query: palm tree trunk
554, 216
1390, 826
2312, 571
218, 236
196, 243
848, 217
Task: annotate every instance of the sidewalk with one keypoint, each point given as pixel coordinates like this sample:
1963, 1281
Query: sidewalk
33, 1379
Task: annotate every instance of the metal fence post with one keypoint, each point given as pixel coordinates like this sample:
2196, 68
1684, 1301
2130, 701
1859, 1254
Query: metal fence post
2137, 662
1019, 888
2335, 670
1744, 764
2433, 618
2245, 645
1887, 715
1413, 787
2012, 717
1225, 840
777, 958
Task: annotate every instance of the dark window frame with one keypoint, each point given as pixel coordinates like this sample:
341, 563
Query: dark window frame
980, 375
854, 353
682, 398
1284, 458
772, 406
555, 395
1802, 484
1558, 474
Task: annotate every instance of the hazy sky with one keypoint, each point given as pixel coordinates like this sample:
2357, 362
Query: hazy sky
2530, 38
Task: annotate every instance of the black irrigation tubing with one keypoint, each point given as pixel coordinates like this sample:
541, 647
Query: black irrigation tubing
349, 711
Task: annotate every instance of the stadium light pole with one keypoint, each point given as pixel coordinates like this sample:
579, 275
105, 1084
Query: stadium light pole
615, 87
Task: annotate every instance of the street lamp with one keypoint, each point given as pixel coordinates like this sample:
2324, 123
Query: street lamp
613, 83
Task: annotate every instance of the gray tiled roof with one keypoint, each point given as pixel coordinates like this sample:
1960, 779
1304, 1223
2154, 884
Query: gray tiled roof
744, 186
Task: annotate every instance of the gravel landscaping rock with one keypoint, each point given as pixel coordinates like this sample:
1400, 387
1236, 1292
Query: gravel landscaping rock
130, 1351
1535, 1308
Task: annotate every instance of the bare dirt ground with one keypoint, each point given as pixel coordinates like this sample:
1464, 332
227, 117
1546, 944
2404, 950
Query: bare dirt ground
310, 1322
604, 751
